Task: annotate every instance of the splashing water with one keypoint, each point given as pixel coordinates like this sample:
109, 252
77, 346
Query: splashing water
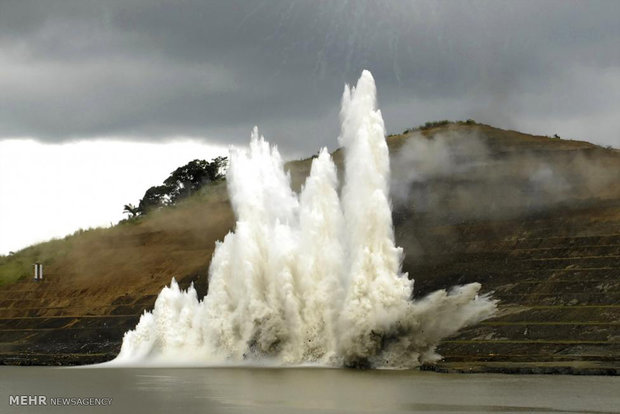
309, 278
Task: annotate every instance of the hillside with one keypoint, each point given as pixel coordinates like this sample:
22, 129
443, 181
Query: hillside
536, 220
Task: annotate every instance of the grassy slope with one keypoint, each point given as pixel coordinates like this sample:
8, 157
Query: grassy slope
134, 256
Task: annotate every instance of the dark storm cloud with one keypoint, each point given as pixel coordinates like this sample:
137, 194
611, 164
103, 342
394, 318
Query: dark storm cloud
159, 69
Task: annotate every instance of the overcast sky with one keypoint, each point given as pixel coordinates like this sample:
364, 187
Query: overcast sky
144, 70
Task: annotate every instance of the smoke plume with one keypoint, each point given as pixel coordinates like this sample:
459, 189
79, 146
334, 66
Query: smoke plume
462, 174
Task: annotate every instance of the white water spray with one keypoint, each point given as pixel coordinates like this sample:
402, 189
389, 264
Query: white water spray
309, 278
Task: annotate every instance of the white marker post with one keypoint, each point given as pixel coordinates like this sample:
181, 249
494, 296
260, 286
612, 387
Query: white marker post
38, 271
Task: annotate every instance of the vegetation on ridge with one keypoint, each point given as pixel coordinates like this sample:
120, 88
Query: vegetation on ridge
181, 184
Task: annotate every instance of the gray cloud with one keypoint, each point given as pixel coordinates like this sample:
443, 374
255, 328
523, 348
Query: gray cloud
139, 69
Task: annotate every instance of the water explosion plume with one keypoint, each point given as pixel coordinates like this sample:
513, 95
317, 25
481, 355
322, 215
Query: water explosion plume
308, 278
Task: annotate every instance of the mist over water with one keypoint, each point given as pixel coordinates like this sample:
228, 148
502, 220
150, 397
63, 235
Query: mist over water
313, 278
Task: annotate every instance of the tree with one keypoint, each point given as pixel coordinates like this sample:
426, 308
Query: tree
154, 198
182, 183
186, 180
132, 210
217, 168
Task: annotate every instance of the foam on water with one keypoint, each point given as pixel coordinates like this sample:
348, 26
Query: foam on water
313, 278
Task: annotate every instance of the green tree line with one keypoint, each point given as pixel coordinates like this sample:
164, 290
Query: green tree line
182, 183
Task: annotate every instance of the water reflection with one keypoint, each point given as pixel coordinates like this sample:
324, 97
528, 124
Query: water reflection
259, 390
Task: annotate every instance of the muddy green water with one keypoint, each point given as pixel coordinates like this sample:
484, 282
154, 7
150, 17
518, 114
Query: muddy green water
255, 390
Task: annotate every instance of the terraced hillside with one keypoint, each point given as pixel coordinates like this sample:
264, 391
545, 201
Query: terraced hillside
557, 277
553, 260
535, 220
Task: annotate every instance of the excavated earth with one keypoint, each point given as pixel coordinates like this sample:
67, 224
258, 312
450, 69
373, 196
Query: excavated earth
554, 266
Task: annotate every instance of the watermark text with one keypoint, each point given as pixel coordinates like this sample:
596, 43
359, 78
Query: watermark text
45, 400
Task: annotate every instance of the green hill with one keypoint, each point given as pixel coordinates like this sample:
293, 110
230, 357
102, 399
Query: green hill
534, 219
